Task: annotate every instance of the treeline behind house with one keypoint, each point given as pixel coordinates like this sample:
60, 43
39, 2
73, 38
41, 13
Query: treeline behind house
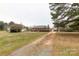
14, 27
11, 27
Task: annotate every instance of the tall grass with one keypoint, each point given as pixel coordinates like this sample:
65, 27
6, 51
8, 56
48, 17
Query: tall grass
66, 43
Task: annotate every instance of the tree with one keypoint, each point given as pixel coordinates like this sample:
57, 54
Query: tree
1, 25
74, 26
62, 13
58, 12
5, 26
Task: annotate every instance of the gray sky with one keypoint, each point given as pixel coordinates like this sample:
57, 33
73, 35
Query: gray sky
28, 14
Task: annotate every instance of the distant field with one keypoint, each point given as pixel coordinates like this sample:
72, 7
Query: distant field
12, 41
66, 44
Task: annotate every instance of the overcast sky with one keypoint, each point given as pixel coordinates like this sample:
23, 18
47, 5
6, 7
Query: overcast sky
28, 14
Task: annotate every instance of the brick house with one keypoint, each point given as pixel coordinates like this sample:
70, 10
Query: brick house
40, 28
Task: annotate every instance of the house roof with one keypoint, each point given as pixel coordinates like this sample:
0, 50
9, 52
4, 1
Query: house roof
40, 26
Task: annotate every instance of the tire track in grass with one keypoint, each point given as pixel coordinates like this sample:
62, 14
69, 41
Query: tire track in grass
41, 47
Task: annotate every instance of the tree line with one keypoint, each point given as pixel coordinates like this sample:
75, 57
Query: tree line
11, 26
14, 27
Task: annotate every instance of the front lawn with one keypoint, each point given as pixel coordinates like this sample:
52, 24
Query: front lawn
12, 41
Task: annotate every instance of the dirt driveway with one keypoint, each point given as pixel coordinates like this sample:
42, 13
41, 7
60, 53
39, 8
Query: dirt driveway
41, 47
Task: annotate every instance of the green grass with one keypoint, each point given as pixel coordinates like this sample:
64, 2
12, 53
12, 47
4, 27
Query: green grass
9, 42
